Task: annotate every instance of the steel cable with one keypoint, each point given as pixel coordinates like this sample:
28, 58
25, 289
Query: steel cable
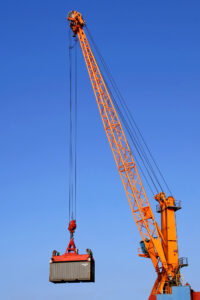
73, 129
132, 132
70, 129
75, 146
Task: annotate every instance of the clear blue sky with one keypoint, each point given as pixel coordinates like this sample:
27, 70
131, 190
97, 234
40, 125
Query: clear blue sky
153, 50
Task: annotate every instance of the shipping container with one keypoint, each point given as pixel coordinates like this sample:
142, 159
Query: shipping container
72, 271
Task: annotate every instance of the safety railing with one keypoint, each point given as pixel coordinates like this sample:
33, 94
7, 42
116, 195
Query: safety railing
183, 262
177, 205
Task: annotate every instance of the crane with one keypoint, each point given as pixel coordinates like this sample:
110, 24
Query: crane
158, 244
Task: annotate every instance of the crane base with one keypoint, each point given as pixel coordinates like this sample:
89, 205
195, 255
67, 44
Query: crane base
178, 293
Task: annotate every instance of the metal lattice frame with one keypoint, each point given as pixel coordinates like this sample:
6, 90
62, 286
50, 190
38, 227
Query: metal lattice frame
133, 186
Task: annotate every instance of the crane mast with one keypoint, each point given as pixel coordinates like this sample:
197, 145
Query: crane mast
160, 244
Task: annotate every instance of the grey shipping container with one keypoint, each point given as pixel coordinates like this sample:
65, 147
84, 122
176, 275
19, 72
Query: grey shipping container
72, 271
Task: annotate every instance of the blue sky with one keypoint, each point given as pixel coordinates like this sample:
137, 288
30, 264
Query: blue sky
152, 48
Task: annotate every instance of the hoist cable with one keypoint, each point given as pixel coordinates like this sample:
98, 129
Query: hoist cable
70, 129
130, 116
134, 143
110, 79
75, 146
131, 121
73, 128
134, 140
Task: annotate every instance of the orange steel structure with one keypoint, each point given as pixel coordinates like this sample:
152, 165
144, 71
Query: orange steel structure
160, 244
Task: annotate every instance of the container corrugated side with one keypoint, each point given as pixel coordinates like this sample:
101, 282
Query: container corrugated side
77, 271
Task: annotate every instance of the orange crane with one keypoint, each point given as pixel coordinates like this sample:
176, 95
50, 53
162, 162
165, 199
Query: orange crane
158, 244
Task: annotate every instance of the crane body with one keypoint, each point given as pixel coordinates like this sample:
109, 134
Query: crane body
158, 244
161, 244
